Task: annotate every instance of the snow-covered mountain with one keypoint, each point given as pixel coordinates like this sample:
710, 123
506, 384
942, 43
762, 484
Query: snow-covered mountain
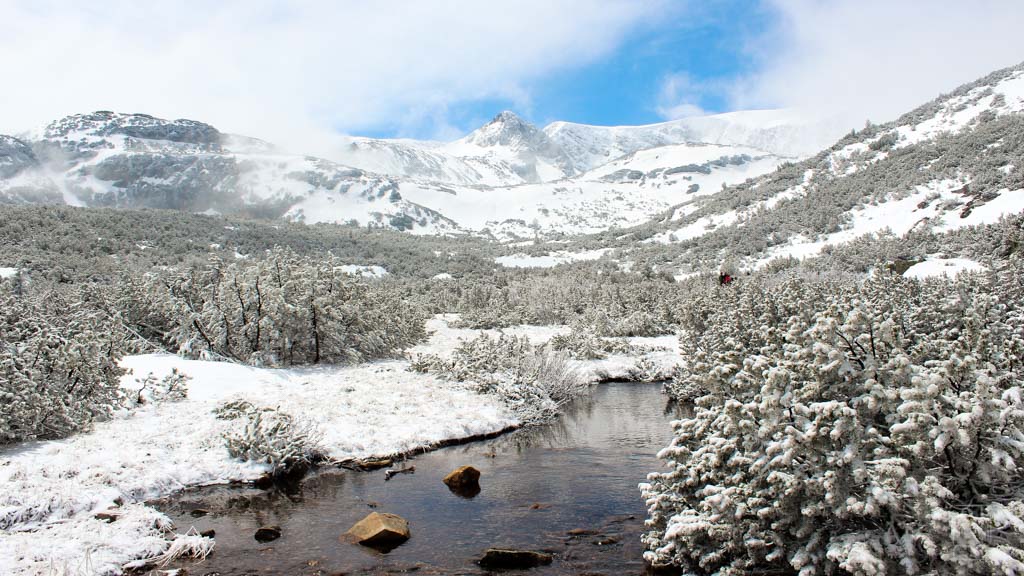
509, 150
504, 152
954, 162
138, 161
508, 178
779, 132
622, 193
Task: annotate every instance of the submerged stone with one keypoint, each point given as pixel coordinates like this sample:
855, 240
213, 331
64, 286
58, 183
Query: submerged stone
267, 533
513, 559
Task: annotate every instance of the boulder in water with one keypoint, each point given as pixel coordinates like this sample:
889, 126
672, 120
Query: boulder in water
380, 530
464, 481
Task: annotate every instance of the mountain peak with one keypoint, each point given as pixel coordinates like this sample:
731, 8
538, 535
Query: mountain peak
508, 117
508, 129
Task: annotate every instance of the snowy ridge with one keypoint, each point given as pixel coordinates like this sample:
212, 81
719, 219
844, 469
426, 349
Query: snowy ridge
779, 132
138, 161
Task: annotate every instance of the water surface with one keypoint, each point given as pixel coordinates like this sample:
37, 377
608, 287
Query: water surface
581, 472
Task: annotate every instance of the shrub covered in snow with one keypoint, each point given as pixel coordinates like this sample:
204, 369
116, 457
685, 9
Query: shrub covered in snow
533, 381
605, 301
270, 436
172, 387
281, 309
58, 365
866, 429
584, 344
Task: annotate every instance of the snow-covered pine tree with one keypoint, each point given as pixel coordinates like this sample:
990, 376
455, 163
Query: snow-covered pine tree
866, 429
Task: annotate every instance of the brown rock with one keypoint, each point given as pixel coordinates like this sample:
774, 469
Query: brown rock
463, 478
582, 532
380, 530
108, 516
208, 533
513, 559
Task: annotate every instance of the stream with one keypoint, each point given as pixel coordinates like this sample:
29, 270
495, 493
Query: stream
578, 473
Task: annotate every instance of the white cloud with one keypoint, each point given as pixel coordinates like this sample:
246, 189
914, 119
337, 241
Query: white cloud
875, 59
679, 97
296, 73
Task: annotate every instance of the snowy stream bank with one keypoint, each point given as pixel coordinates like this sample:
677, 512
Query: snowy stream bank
51, 491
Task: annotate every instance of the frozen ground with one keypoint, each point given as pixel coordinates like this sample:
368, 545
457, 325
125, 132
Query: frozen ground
51, 490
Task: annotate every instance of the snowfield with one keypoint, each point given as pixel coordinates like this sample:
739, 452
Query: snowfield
53, 489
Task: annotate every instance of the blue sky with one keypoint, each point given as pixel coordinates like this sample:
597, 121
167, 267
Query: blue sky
708, 46
307, 74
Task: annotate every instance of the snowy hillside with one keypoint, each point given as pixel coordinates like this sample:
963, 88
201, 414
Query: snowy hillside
623, 193
779, 132
947, 165
137, 161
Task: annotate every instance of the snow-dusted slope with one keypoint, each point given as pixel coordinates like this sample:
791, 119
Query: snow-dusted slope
427, 161
951, 163
622, 193
506, 151
138, 161
21, 177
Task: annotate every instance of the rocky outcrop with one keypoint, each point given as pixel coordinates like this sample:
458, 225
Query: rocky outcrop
15, 156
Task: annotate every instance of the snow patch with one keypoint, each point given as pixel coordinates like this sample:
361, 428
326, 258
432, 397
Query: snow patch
549, 260
943, 267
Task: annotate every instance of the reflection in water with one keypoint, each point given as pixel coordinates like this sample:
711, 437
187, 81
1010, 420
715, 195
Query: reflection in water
579, 474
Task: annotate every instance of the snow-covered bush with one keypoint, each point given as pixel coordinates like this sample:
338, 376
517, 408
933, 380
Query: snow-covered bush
58, 365
605, 301
281, 309
533, 381
842, 428
584, 344
172, 387
270, 436
647, 370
